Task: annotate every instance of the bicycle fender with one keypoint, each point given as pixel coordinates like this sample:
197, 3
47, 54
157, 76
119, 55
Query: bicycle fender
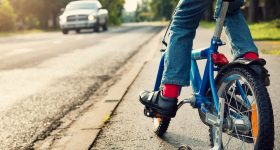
257, 66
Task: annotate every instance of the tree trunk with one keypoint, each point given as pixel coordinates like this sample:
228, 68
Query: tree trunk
271, 9
54, 19
208, 15
44, 22
253, 11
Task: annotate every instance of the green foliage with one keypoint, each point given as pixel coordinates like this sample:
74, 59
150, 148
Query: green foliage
143, 12
37, 13
155, 10
7, 16
262, 31
277, 23
163, 8
207, 24
115, 8
44, 14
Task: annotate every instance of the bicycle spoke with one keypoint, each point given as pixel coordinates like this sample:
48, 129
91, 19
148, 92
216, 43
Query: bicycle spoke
236, 108
248, 110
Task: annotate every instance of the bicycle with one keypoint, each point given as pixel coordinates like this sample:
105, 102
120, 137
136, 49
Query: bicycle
234, 104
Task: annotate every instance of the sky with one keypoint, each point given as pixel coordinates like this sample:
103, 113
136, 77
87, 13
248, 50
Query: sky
130, 5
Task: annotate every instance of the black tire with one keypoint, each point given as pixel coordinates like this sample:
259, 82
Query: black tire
64, 31
96, 27
160, 127
263, 139
105, 26
78, 30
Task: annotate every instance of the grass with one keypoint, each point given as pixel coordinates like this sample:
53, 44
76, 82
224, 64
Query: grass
207, 24
266, 35
264, 31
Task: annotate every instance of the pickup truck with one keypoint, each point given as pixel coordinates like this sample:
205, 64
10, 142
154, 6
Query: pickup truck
83, 14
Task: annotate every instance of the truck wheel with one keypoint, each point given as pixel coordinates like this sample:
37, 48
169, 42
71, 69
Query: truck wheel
64, 31
105, 26
78, 30
96, 28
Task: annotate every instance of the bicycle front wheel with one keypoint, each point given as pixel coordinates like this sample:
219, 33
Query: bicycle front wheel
248, 111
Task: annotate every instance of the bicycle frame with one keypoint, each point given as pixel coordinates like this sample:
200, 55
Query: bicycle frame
200, 85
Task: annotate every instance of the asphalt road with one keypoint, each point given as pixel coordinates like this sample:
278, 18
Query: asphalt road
44, 76
130, 129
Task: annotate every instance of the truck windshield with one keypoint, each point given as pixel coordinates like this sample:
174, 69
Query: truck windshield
75, 6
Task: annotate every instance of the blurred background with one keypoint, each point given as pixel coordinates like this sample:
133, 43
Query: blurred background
29, 16
44, 14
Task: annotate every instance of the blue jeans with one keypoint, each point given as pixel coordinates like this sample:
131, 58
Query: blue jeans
182, 32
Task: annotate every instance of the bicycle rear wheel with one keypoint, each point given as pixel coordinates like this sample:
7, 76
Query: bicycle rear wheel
249, 120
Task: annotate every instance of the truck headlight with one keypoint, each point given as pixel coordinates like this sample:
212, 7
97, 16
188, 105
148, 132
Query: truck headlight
91, 18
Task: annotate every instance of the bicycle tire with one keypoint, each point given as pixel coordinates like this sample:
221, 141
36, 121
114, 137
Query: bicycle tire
263, 139
161, 125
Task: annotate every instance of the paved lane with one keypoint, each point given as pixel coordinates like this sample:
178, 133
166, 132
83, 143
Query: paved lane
44, 76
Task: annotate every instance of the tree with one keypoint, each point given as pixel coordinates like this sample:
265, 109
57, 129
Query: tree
271, 9
115, 8
143, 12
7, 16
162, 9
253, 11
40, 13
209, 13
26, 11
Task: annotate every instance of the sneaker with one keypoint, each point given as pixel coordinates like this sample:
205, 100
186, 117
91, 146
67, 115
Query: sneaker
157, 102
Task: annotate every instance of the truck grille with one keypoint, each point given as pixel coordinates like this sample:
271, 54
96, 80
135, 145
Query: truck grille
77, 18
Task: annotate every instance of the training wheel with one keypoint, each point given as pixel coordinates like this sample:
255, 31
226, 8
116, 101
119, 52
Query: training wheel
184, 147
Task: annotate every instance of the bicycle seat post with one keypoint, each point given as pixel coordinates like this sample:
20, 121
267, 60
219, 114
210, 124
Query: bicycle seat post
221, 19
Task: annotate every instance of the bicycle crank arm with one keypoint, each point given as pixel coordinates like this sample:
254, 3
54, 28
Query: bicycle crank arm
186, 101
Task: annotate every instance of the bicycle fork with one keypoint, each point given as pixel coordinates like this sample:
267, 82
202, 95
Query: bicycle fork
219, 121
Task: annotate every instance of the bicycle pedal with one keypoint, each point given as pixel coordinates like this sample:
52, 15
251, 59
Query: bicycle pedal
162, 50
184, 147
148, 112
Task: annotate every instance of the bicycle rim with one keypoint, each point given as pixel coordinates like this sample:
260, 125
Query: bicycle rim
236, 108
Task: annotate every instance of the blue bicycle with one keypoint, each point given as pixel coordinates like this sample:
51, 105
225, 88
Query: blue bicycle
234, 104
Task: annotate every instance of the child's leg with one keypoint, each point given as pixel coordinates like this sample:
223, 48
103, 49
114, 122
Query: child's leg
178, 55
240, 37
